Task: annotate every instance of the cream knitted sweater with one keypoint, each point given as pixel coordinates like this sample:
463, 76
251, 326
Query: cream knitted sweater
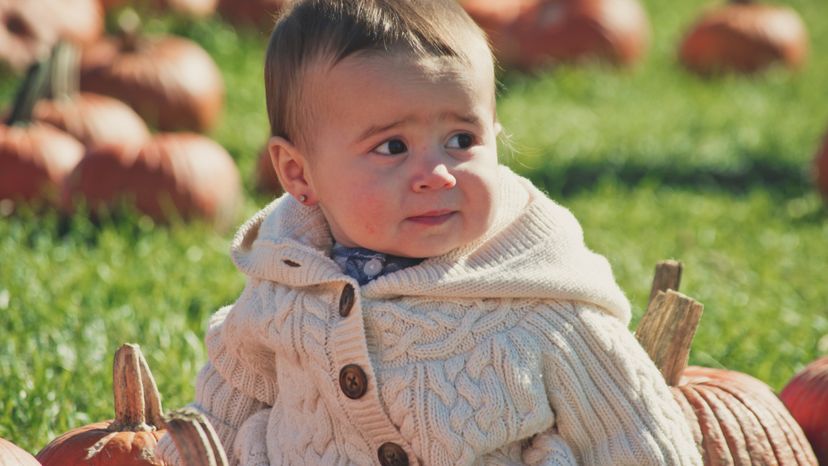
513, 349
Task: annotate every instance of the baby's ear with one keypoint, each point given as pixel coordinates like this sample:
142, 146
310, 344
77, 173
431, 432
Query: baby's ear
289, 164
498, 128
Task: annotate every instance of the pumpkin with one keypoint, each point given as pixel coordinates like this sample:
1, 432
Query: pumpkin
806, 397
195, 439
258, 13
170, 81
77, 21
495, 17
266, 179
192, 8
34, 157
34, 160
744, 37
12, 455
737, 419
129, 439
174, 174
734, 418
25, 36
29, 28
532, 33
93, 119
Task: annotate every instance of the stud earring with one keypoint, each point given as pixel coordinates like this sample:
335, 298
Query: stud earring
303, 198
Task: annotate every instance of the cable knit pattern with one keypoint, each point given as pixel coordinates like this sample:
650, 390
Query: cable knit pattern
549, 449
513, 349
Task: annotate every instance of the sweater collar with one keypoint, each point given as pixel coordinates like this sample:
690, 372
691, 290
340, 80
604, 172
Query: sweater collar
533, 249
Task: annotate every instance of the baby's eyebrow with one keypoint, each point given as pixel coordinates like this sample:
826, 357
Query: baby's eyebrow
375, 129
467, 118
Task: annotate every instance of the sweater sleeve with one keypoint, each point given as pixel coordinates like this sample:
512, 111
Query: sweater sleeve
611, 403
224, 406
240, 378
548, 449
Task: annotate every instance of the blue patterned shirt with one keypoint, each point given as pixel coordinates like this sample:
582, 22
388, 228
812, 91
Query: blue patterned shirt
365, 265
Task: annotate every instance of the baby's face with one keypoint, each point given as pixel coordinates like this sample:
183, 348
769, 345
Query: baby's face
401, 153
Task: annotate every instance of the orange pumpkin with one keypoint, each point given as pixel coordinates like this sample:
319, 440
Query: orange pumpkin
737, 419
25, 36
258, 13
34, 157
195, 439
493, 15
532, 33
193, 8
34, 160
29, 28
78, 21
12, 455
744, 37
93, 119
733, 417
496, 17
806, 396
128, 440
174, 174
170, 81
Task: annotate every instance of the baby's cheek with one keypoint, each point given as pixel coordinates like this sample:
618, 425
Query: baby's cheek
370, 229
373, 214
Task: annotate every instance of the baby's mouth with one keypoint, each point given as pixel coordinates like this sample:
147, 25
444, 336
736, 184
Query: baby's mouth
433, 217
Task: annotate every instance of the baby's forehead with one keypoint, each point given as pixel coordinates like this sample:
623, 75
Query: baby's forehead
380, 61
324, 82
475, 70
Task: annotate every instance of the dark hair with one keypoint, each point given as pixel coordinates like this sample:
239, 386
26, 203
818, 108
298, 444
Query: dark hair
310, 30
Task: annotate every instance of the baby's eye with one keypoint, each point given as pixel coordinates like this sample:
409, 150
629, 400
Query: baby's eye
391, 147
460, 141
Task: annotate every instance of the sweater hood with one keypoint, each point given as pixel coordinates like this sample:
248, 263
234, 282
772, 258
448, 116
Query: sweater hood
534, 249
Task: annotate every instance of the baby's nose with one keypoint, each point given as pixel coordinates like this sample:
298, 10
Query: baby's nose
437, 177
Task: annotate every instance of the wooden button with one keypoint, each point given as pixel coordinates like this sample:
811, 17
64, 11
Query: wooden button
353, 381
346, 300
391, 454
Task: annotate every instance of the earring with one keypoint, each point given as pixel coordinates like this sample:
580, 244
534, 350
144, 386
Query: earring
303, 198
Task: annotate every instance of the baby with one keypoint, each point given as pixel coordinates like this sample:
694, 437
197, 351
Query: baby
409, 300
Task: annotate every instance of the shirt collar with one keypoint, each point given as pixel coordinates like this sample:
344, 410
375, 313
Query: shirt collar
364, 265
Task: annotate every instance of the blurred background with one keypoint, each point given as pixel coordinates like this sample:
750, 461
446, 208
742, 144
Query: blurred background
688, 130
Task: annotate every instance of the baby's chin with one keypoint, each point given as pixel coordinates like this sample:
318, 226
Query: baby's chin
440, 245
425, 250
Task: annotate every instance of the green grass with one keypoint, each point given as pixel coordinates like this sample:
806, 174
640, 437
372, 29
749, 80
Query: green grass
657, 122
656, 164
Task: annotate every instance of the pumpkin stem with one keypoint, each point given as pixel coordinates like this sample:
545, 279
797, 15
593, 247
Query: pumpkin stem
128, 388
667, 277
667, 328
152, 398
64, 75
666, 332
129, 29
29, 92
741, 2
195, 439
